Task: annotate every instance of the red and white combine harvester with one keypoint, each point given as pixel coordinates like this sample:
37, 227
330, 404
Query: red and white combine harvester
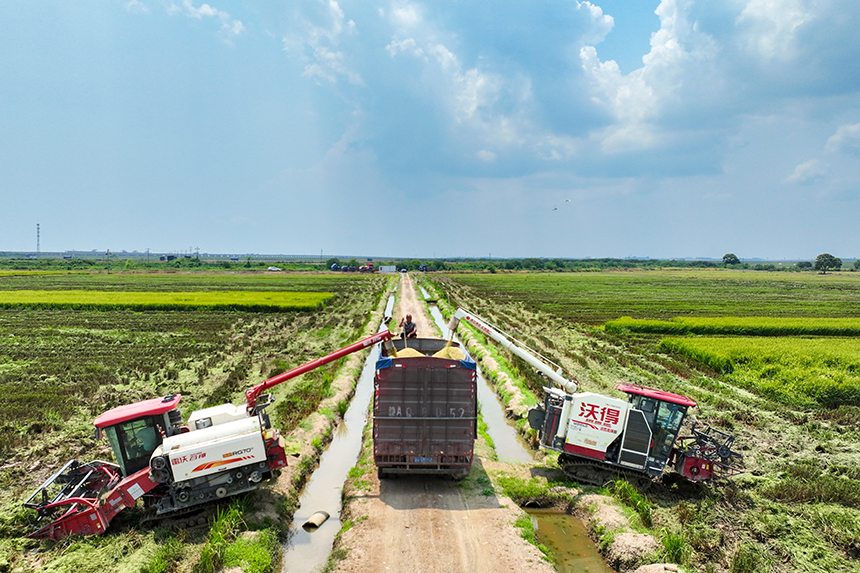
600, 437
174, 467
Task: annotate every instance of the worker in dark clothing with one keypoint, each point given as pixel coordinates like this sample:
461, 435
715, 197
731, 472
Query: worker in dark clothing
410, 330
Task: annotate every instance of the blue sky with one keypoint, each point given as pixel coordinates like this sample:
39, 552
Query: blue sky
681, 128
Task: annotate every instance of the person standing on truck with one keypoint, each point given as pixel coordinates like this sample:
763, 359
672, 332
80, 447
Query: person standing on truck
410, 330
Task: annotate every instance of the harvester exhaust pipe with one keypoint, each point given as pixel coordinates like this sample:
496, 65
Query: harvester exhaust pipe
313, 523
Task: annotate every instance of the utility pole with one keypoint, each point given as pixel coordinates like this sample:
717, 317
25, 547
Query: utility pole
108, 260
37, 241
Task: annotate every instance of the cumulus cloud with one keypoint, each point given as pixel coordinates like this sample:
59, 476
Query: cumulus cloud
229, 26
486, 155
808, 172
315, 33
530, 84
846, 139
768, 28
136, 6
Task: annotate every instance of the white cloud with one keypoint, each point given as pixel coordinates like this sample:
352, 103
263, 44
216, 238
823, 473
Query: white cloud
229, 26
136, 6
321, 26
846, 138
407, 46
530, 84
768, 28
808, 172
407, 15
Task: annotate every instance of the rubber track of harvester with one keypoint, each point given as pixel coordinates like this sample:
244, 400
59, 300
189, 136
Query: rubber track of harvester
186, 519
596, 473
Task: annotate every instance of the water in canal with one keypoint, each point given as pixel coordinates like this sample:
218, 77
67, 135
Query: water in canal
509, 446
309, 551
567, 539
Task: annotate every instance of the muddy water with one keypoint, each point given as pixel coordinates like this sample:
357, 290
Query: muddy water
566, 538
307, 552
509, 447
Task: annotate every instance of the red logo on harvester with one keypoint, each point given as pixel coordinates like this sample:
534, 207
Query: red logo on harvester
600, 418
187, 458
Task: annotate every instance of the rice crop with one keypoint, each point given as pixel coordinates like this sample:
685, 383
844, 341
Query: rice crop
594, 298
212, 300
739, 325
802, 372
176, 282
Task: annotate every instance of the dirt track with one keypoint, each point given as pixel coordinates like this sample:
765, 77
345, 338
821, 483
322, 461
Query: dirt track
433, 525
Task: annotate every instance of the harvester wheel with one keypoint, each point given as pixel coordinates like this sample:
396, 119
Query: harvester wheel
643, 483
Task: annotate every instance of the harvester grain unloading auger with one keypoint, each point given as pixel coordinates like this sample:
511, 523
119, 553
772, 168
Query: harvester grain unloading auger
174, 467
600, 437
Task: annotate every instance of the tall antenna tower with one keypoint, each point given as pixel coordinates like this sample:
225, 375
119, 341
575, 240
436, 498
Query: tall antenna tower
37, 240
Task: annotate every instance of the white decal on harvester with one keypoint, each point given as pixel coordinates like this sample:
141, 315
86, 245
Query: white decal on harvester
135, 491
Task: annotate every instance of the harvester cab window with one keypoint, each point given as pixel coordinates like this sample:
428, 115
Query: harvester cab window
648, 407
133, 443
668, 422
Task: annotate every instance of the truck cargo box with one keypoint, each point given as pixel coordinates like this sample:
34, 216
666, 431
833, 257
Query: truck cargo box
424, 412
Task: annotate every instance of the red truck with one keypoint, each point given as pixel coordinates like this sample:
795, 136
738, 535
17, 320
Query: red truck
425, 411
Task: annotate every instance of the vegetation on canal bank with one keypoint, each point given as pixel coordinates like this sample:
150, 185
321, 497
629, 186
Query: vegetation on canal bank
789, 398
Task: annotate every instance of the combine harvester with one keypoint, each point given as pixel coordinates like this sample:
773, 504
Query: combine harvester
174, 467
599, 438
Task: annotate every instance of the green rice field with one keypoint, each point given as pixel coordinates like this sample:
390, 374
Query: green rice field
800, 372
187, 300
594, 298
740, 325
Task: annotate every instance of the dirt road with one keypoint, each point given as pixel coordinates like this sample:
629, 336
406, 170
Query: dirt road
427, 524
411, 301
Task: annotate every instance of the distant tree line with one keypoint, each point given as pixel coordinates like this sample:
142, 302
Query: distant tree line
823, 263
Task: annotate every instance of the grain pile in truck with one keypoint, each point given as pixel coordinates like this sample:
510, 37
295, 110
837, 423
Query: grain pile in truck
425, 409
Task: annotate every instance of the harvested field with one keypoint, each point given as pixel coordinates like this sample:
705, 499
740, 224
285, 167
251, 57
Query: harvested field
794, 508
60, 368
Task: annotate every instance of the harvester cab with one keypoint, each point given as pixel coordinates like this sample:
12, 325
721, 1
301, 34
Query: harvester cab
663, 414
136, 430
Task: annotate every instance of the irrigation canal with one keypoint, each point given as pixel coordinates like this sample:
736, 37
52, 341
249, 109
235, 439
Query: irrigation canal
307, 552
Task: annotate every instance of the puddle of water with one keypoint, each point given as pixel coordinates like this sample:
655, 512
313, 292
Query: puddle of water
509, 447
308, 552
567, 539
